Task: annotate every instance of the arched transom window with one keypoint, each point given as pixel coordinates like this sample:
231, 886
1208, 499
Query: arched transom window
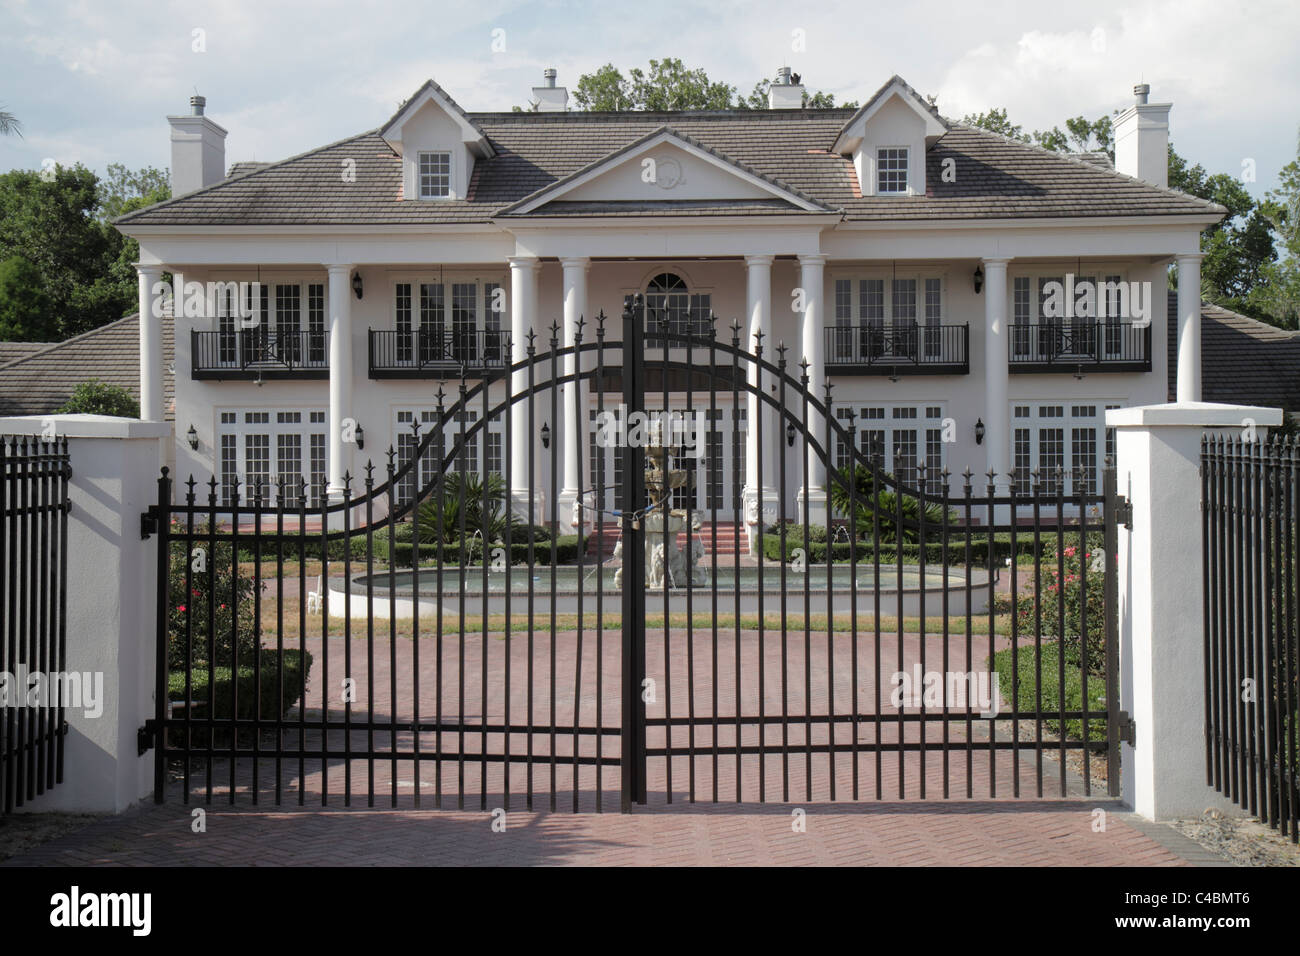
668, 297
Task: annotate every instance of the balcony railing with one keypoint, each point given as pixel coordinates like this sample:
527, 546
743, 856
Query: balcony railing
1095, 345
898, 349
436, 353
259, 353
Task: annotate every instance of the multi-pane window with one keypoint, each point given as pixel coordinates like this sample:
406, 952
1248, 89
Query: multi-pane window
316, 322
1021, 314
669, 301
435, 175
891, 169
902, 315
898, 439
248, 441
1040, 451
402, 305
713, 460
1114, 313
933, 317
464, 319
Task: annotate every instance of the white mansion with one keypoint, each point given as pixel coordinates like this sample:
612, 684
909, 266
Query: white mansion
978, 303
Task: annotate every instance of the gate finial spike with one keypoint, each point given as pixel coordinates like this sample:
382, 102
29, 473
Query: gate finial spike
441, 394
577, 330
555, 333
370, 472
735, 333
392, 456
532, 341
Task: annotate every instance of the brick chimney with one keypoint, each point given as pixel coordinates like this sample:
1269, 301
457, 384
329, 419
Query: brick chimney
1142, 139
198, 150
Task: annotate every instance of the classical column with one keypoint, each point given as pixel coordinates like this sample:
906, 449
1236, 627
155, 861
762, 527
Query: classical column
575, 307
523, 314
760, 502
151, 348
1189, 328
812, 280
996, 437
340, 326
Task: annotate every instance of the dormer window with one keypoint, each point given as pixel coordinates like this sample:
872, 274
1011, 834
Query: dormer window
891, 170
435, 175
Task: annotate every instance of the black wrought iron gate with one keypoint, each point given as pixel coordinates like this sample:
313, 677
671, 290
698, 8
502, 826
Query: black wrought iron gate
775, 618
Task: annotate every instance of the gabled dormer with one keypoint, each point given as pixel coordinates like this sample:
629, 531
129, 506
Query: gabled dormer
888, 139
438, 144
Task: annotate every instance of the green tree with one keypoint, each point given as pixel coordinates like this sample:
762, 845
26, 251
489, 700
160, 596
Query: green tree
605, 91
124, 190
668, 85
93, 397
25, 314
1277, 295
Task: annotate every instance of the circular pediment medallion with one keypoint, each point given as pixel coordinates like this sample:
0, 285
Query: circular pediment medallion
668, 173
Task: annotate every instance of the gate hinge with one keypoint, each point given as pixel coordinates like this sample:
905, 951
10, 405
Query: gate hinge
145, 736
1127, 728
148, 523
1124, 512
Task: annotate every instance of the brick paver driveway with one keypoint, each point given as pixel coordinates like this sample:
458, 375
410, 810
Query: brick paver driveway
1067, 829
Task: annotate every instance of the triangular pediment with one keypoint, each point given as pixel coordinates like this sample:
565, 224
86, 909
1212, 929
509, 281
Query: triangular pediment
669, 167
433, 96
895, 94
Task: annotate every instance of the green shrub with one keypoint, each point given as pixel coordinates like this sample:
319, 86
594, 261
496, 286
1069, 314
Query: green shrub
93, 397
226, 599
1050, 690
296, 670
1061, 573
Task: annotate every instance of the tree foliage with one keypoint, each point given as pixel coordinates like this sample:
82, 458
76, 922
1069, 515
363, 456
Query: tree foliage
24, 305
58, 222
93, 397
668, 85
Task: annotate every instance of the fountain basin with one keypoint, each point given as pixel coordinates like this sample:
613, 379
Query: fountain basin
561, 588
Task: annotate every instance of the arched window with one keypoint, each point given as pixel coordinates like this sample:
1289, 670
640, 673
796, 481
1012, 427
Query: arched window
668, 298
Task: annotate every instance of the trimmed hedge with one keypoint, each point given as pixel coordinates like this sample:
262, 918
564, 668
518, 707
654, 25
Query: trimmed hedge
841, 551
294, 680
566, 551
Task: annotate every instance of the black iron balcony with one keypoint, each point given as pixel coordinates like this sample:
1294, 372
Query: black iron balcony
259, 353
437, 353
898, 349
1079, 345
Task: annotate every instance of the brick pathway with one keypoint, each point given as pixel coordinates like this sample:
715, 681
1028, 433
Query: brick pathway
892, 834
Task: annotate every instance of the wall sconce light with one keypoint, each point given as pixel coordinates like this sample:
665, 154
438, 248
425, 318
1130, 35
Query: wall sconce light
546, 435
979, 431
356, 283
979, 279
361, 438
789, 434
192, 437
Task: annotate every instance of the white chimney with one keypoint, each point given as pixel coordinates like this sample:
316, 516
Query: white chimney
549, 97
786, 92
1142, 139
198, 150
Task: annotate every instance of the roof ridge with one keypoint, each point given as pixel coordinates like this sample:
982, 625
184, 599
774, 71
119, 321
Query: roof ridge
1073, 158
125, 219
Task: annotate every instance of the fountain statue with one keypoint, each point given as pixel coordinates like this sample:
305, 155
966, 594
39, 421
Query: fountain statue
666, 563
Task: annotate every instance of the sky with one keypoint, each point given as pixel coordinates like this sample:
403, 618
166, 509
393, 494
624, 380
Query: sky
93, 81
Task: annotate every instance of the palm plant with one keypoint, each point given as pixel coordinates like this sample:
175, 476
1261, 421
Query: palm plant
10, 125
868, 502
466, 498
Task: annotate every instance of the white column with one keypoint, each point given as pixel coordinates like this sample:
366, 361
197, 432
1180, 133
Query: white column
523, 316
1161, 593
151, 348
760, 503
340, 451
996, 435
1189, 328
812, 279
575, 307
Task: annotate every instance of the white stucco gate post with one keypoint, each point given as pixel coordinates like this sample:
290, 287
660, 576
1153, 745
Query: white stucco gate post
112, 597
1161, 594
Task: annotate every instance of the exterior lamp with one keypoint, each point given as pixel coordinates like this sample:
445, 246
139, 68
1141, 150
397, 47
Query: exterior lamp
546, 435
361, 437
356, 283
979, 431
192, 437
979, 279
789, 434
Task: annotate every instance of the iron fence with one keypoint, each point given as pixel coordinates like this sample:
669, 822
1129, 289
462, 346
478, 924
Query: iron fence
1251, 511
34, 475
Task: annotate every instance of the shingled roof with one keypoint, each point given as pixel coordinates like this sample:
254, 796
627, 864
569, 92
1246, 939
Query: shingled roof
1243, 361
996, 177
42, 381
